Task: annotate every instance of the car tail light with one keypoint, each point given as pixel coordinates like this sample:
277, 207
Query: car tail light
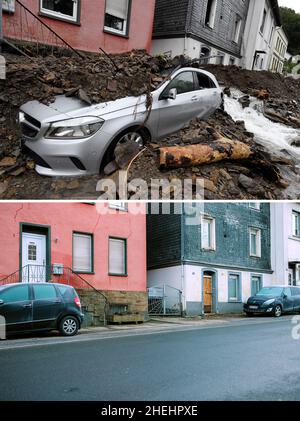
77, 302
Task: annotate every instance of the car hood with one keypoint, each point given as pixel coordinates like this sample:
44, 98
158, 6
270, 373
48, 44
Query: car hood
69, 107
260, 299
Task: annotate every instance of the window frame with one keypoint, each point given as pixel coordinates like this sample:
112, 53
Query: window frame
116, 32
125, 273
255, 206
86, 234
260, 277
60, 16
237, 29
167, 88
213, 233
238, 275
47, 286
210, 23
296, 227
258, 242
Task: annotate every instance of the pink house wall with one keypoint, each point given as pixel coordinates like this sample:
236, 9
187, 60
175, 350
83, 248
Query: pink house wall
89, 34
64, 218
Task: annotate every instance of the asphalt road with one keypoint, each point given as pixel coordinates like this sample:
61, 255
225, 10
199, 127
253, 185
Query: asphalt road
242, 361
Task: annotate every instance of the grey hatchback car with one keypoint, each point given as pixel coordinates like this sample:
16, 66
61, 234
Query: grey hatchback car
40, 307
70, 138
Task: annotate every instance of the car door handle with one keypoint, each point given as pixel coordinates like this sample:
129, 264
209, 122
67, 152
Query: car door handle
27, 305
194, 98
56, 302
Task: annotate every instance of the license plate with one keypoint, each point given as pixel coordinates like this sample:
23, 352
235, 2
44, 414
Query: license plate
253, 307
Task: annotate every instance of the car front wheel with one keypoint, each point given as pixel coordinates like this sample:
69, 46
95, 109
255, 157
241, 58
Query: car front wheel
278, 311
69, 326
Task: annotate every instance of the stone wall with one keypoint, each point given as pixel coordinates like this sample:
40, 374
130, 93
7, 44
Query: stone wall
96, 310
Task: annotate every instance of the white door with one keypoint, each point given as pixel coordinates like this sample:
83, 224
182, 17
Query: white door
33, 257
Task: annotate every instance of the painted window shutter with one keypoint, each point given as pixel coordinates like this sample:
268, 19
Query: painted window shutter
82, 253
117, 8
117, 256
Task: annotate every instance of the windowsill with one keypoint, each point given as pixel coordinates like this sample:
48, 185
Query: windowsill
295, 238
83, 273
117, 34
234, 302
209, 27
211, 250
255, 257
62, 19
124, 275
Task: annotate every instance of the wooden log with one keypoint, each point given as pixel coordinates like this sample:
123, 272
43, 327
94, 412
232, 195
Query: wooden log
204, 153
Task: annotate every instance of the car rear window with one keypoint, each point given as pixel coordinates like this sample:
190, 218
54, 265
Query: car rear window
15, 294
44, 292
66, 292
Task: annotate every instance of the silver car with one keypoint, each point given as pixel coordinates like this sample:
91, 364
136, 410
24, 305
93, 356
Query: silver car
71, 138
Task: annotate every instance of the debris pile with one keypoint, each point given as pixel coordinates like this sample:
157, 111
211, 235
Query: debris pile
98, 79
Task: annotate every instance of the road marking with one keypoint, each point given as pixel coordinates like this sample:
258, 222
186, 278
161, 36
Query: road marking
120, 334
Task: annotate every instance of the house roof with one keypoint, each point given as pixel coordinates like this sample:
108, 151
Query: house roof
276, 11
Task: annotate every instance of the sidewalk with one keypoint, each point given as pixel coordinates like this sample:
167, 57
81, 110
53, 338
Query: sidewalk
157, 325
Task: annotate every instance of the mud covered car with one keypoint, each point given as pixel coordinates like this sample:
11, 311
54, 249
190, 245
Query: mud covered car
70, 137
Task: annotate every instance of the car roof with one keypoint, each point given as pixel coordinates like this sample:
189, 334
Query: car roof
35, 283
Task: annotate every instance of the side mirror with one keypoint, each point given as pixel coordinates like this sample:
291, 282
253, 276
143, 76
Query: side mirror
172, 94
1, 302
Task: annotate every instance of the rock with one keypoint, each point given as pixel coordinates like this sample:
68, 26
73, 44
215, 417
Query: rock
112, 86
262, 94
154, 146
73, 185
227, 91
3, 187
232, 189
224, 174
84, 97
49, 77
125, 152
296, 142
246, 182
18, 172
30, 165
209, 185
245, 101
8, 161
111, 168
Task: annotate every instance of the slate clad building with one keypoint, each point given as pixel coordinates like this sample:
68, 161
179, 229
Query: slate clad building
218, 262
201, 28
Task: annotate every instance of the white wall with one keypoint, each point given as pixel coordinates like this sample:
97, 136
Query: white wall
254, 40
174, 46
285, 248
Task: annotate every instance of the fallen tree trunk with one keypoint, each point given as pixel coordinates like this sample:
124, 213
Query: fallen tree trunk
204, 153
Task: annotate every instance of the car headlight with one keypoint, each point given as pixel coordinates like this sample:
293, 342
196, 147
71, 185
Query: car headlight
75, 128
269, 302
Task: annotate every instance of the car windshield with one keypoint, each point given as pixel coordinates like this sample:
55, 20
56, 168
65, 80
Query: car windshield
270, 292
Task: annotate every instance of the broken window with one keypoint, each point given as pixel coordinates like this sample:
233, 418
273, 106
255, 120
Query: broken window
64, 9
237, 29
117, 16
211, 13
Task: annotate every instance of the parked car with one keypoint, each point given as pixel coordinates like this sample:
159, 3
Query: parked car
69, 137
274, 300
40, 307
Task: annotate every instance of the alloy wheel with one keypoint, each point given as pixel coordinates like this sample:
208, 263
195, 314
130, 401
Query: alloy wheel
69, 326
132, 137
277, 311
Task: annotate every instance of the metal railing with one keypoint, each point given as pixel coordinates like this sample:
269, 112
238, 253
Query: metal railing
30, 35
164, 301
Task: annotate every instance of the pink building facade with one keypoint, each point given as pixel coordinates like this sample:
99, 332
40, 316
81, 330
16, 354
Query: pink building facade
117, 26
103, 246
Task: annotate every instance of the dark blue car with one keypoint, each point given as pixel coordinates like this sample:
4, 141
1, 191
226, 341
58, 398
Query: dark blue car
40, 307
274, 300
